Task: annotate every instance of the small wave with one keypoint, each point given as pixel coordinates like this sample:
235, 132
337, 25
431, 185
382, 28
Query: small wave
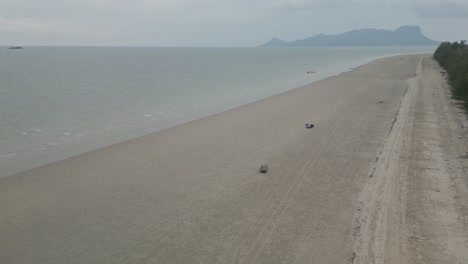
9, 155
31, 131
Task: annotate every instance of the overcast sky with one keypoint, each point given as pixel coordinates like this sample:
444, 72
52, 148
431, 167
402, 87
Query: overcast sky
217, 22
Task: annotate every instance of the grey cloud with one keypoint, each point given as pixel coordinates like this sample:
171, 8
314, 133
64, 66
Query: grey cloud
208, 22
332, 4
441, 8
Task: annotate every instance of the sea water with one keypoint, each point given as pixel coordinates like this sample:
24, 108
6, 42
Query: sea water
56, 102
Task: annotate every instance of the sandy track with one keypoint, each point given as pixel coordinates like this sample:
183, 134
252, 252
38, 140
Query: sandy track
413, 209
193, 193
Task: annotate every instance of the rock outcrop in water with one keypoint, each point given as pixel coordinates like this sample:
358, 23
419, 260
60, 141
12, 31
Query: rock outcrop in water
403, 36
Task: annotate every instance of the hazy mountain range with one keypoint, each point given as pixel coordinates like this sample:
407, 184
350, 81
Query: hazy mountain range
403, 36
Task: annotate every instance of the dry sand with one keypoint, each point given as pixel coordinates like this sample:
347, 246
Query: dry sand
193, 193
414, 209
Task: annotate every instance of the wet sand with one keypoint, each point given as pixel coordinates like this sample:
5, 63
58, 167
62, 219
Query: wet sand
194, 194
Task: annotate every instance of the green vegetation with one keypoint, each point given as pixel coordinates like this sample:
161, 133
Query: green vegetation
453, 57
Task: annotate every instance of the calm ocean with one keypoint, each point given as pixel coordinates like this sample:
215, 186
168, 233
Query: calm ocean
56, 102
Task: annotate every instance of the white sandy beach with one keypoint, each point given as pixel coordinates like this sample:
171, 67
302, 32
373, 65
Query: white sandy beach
354, 189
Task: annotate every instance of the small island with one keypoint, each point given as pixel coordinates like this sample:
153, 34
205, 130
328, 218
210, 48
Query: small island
16, 47
403, 36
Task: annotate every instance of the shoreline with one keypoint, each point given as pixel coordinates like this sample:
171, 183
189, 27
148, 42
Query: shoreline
379, 179
18, 166
194, 194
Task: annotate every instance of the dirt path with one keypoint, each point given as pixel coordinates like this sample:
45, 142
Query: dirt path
414, 208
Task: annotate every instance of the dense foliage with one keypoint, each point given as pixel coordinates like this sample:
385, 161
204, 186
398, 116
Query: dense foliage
453, 57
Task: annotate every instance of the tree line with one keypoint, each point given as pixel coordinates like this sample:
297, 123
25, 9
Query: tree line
453, 57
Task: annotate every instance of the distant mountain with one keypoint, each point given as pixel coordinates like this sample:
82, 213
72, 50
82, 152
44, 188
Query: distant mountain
403, 36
